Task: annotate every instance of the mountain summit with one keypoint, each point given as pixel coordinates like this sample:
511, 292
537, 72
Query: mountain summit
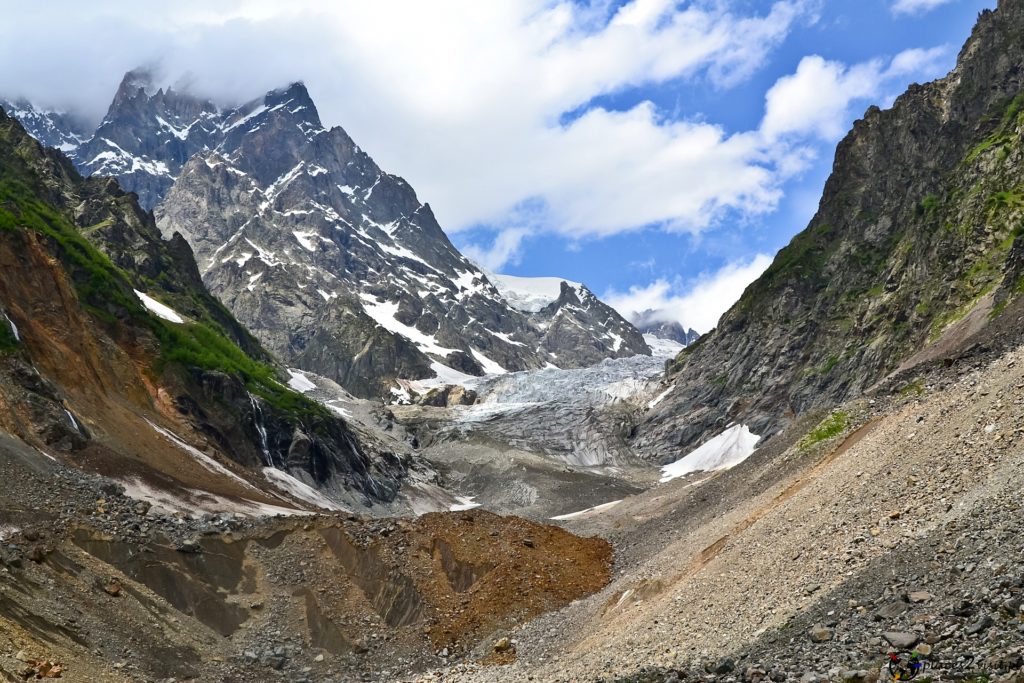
334, 264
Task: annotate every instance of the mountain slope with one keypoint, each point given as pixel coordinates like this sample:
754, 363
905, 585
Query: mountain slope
51, 128
918, 226
333, 263
114, 352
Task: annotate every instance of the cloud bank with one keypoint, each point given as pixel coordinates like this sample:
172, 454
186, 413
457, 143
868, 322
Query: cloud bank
490, 109
483, 107
698, 304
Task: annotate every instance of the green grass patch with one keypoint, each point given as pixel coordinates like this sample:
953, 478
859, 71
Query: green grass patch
829, 428
825, 368
1013, 116
98, 226
998, 309
927, 207
196, 345
1005, 200
915, 388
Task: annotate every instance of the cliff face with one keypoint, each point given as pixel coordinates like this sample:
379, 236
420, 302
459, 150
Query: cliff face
918, 226
112, 353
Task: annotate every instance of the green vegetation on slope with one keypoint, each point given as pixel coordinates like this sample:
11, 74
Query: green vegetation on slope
8, 342
105, 293
1013, 117
831, 427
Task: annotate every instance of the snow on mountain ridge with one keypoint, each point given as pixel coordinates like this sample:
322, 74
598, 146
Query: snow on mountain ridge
531, 294
332, 262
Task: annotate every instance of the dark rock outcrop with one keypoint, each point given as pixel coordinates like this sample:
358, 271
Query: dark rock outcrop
86, 366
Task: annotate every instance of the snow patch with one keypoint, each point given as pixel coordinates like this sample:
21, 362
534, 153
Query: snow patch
180, 133
14, 328
303, 238
465, 503
489, 366
384, 315
299, 489
248, 117
588, 512
200, 503
726, 450
74, 422
158, 309
660, 397
299, 382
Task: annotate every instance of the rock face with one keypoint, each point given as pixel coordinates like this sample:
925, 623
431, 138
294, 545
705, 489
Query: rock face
334, 264
146, 137
51, 128
917, 228
112, 348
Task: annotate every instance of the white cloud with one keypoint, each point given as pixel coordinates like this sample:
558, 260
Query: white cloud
816, 100
698, 304
506, 249
485, 107
917, 6
465, 99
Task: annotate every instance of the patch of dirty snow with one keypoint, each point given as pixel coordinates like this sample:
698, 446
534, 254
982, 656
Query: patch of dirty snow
597, 509
299, 382
465, 503
299, 489
726, 450
158, 309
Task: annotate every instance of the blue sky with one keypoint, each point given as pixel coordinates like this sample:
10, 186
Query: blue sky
661, 151
848, 31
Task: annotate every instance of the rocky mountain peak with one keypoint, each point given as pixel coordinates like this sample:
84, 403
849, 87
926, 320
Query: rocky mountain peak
135, 85
334, 263
58, 129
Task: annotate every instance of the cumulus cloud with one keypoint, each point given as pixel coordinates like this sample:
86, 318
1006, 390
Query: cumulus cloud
698, 304
505, 250
468, 100
917, 6
816, 100
488, 108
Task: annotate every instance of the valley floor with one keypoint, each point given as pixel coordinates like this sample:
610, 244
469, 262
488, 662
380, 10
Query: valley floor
908, 528
808, 561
